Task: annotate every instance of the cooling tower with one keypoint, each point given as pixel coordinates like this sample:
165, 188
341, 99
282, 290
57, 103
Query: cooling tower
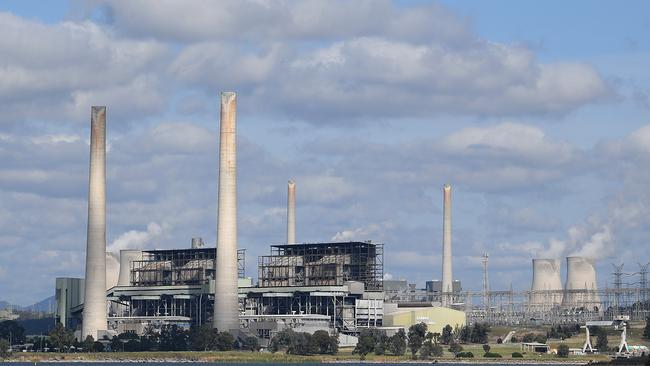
446, 246
580, 289
94, 313
226, 305
546, 290
291, 212
127, 256
112, 270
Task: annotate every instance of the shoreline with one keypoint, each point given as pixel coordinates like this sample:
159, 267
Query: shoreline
278, 358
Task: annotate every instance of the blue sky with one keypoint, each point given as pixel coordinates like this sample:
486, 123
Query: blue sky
535, 112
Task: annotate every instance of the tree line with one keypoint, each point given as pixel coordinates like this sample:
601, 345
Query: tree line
168, 338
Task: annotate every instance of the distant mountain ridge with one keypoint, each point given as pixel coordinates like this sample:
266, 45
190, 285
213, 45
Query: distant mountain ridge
47, 305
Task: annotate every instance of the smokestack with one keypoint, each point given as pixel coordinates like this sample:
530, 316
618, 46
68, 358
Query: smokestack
197, 243
291, 212
446, 245
94, 313
581, 286
226, 304
127, 256
546, 278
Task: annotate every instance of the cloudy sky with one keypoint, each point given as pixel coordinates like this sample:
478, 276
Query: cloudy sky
536, 112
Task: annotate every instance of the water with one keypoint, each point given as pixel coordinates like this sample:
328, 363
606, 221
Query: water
257, 364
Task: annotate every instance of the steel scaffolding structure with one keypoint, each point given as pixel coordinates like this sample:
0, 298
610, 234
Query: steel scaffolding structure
178, 267
323, 264
514, 307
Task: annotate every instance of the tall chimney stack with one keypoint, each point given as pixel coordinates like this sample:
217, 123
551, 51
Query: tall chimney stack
291, 212
226, 305
94, 313
446, 247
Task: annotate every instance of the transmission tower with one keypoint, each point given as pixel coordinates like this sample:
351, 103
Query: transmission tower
618, 284
486, 283
643, 280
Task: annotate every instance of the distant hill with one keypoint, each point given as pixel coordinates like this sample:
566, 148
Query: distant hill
46, 305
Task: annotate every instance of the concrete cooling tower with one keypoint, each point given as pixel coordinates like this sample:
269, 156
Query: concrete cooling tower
127, 256
581, 288
546, 289
112, 270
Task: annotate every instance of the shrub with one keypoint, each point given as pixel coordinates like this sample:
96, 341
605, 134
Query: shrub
499, 340
563, 351
517, 355
465, 355
455, 348
492, 355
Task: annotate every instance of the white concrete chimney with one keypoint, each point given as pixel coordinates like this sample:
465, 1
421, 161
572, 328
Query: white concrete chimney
94, 313
447, 286
291, 212
226, 303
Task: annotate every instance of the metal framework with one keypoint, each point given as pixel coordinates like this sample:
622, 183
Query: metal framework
178, 267
514, 307
323, 264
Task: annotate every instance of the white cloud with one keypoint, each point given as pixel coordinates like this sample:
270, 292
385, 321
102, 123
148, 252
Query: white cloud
135, 239
60, 70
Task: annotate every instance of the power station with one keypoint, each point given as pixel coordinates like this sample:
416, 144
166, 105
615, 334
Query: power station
334, 286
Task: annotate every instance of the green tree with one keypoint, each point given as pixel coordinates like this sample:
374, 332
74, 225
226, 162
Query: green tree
4, 348
117, 345
646, 330
88, 343
426, 350
455, 348
202, 338
132, 345
436, 350
250, 343
224, 341
416, 336
447, 335
98, 346
281, 340
397, 343
563, 350
365, 345
486, 348
465, 334
61, 338
301, 344
173, 338
324, 343
601, 341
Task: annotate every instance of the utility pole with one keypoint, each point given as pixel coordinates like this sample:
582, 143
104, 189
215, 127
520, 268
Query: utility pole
486, 283
618, 283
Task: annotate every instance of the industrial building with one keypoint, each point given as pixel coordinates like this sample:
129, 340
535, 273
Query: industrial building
331, 286
403, 315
